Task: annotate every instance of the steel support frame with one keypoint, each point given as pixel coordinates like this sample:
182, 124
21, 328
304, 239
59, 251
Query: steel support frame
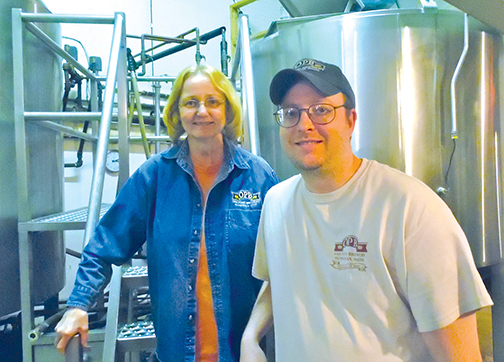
116, 73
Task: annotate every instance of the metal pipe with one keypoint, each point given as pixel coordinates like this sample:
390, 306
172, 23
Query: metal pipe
109, 343
64, 18
95, 105
164, 39
141, 122
67, 130
204, 37
236, 64
156, 79
138, 139
157, 106
144, 58
224, 53
122, 111
247, 88
80, 149
136, 100
64, 116
146, 78
198, 56
58, 50
118, 46
25, 249
454, 131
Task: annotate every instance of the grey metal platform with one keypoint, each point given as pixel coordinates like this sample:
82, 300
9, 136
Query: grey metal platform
70, 220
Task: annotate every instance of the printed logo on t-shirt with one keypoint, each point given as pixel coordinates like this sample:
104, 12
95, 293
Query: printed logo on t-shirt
245, 198
350, 254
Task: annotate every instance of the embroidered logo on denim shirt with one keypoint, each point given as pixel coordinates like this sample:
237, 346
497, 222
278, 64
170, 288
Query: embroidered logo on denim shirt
350, 254
244, 197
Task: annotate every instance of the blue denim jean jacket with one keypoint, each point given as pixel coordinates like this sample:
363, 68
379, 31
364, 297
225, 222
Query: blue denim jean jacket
161, 204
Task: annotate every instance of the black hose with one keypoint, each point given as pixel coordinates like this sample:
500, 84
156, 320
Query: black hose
45, 325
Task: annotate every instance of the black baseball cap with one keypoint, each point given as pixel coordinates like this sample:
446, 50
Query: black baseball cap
328, 79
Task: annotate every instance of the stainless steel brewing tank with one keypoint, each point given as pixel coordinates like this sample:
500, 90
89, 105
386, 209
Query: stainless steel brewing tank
400, 64
43, 85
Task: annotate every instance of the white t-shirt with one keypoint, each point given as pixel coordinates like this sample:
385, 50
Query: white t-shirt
357, 273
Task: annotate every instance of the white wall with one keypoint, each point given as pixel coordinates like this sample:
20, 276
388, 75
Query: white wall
169, 18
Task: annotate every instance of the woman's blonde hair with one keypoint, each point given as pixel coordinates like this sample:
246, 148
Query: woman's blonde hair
171, 114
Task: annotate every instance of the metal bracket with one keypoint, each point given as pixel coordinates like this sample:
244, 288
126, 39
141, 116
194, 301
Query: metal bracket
429, 4
351, 3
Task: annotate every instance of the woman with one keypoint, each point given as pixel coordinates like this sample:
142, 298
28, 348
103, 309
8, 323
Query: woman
197, 205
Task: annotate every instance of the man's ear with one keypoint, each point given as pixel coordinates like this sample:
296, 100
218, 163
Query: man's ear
352, 118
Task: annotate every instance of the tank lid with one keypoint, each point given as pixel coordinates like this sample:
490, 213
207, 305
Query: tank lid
297, 8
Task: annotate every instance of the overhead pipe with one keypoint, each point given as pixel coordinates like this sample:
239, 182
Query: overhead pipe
179, 39
204, 37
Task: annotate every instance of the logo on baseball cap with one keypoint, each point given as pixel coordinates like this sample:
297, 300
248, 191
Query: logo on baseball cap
328, 79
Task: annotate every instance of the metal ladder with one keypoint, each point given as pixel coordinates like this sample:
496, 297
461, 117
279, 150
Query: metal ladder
87, 218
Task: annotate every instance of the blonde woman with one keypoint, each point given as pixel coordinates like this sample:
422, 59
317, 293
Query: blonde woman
197, 205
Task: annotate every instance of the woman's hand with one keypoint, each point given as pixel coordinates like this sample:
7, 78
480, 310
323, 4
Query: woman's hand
74, 321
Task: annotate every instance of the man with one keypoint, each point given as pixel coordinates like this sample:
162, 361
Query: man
360, 262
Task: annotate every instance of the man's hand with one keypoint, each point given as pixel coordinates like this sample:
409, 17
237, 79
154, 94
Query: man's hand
74, 321
251, 352
261, 321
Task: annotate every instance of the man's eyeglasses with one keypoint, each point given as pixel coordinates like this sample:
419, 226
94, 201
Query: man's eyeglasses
195, 104
318, 113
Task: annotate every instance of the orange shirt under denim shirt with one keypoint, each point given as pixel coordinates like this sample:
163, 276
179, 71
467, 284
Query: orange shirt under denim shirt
161, 204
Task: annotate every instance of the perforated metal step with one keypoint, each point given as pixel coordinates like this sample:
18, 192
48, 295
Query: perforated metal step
138, 336
135, 277
70, 220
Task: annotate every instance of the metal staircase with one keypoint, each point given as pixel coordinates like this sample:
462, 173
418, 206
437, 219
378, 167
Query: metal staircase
86, 218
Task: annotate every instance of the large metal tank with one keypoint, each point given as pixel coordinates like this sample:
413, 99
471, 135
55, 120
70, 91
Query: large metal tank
400, 64
43, 85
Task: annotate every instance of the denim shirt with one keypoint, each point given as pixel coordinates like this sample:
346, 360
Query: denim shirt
161, 204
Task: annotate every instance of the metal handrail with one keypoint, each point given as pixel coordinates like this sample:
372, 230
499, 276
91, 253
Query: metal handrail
117, 55
243, 61
116, 72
